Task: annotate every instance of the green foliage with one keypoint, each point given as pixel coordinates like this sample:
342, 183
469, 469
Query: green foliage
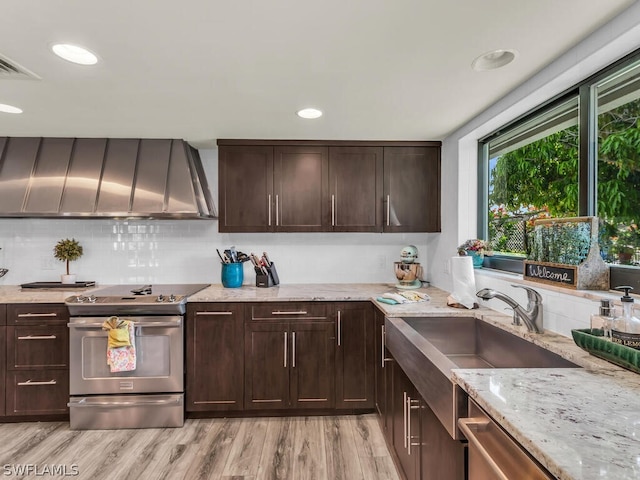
68, 251
544, 175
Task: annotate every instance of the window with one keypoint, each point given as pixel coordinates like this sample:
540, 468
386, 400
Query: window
618, 164
579, 154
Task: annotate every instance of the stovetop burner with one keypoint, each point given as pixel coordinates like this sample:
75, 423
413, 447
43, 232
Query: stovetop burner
127, 299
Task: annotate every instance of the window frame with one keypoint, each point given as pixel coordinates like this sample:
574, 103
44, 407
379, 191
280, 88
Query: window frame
587, 165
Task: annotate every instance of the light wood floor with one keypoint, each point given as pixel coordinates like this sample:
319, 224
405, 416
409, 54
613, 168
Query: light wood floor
296, 448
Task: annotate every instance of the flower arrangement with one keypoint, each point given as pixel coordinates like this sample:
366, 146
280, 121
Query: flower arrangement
474, 245
67, 251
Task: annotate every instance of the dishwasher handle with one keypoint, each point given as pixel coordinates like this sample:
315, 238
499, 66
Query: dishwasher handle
494, 454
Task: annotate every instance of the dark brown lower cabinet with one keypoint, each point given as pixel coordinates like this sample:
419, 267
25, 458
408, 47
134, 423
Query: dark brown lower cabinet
3, 356
289, 364
36, 351
312, 369
423, 448
214, 357
406, 424
384, 375
37, 392
355, 343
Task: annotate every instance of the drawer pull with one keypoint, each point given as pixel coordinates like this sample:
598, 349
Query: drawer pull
27, 315
38, 337
31, 383
213, 313
299, 312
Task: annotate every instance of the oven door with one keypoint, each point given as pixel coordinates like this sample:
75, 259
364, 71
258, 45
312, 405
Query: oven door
159, 357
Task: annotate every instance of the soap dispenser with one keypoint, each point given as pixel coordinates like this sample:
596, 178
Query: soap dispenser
626, 328
603, 320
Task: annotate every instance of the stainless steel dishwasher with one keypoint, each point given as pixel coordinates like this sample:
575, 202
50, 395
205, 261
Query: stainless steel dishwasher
493, 454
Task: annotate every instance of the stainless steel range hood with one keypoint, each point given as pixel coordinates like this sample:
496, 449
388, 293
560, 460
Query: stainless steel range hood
102, 177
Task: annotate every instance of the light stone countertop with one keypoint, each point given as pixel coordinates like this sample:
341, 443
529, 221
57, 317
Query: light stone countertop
578, 423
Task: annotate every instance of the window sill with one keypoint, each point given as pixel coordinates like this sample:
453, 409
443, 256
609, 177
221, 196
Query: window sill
595, 295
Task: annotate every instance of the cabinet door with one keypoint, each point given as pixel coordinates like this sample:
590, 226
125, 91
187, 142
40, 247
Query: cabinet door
266, 346
406, 424
312, 364
31, 347
37, 392
3, 342
412, 189
355, 188
355, 374
301, 188
215, 357
37, 314
245, 189
441, 456
384, 369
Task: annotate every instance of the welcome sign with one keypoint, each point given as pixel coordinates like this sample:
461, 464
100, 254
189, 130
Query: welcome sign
551, 273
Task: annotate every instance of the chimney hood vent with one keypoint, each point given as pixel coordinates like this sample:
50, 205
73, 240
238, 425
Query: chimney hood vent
102, 178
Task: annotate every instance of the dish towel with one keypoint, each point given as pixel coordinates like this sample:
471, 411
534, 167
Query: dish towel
121, 345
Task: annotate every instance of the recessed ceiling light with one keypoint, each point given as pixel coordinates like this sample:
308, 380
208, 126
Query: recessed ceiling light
493, 60
75, 54
309, 113
9, 108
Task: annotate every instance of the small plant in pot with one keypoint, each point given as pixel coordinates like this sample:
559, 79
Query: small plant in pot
68, 251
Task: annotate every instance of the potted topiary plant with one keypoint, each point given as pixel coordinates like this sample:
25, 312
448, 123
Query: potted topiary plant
68, 251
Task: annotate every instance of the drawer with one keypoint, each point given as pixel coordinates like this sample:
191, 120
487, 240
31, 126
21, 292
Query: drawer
37, 347
37, 392
288, 310
3, 315
36, 313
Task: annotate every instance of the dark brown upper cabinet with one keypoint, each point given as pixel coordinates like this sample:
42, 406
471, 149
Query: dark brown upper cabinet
411, 189
355, 186
328, 186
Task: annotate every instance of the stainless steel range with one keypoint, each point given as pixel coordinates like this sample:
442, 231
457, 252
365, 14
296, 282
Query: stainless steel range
141, 385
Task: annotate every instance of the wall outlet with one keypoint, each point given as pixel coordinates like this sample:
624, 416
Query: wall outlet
382, 262
447, 266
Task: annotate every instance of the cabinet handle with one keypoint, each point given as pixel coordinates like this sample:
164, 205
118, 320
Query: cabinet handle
383, 360
298, 312
404, 417
213, 313
38, 337
269, 207
31, 383
333, 210
409, 408
26, 315
382, 345
388, 209
285, 350
339, 329
293, 349
277, 211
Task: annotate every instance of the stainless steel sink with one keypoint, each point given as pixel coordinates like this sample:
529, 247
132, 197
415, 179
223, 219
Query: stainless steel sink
429, 348
472, 343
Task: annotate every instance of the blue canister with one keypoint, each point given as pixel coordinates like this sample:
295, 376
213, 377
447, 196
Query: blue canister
232, 275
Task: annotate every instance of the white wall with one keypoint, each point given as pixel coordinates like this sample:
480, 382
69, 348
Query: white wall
459, 162
179, 251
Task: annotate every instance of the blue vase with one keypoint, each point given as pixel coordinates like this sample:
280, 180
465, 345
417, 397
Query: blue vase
476, 257
232, 275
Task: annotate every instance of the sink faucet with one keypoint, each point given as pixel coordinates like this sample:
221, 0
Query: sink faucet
531, 316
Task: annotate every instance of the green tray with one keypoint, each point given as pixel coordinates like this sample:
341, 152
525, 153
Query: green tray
593, 341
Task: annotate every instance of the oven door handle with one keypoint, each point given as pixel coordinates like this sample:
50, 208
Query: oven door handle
83, 404
172, 323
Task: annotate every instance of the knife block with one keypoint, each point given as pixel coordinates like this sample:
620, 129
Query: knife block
270, 279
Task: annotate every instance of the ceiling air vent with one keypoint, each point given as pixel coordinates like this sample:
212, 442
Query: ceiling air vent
10, 69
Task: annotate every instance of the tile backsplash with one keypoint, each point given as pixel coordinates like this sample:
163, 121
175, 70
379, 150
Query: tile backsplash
184, 251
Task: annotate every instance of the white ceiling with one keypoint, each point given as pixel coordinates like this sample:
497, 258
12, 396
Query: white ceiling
207, 69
